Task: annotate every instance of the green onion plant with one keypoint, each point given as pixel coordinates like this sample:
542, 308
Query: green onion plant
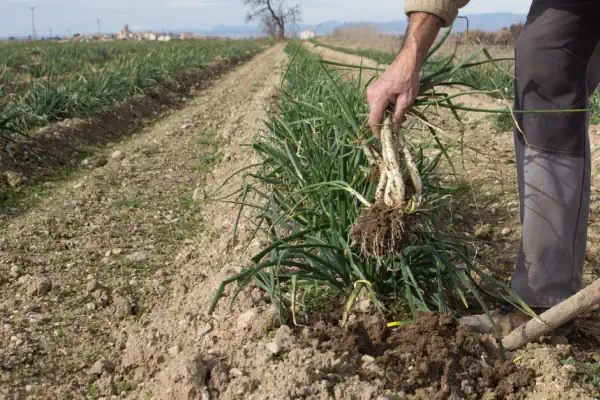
314, 182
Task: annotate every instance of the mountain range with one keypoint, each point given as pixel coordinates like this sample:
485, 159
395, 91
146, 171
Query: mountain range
486, 22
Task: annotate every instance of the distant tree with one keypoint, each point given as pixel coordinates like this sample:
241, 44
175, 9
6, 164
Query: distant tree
76, 35
12, 38
269, 26
515, 30
274, 15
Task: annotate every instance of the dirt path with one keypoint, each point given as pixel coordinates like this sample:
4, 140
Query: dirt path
120, 243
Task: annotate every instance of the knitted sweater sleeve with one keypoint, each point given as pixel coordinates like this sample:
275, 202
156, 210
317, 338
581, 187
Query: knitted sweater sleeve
447, 10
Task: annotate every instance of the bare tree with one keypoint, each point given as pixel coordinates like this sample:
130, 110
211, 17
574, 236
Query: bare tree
274, 15
269, 25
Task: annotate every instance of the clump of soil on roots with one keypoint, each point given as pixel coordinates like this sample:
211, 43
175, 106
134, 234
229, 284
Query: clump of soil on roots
433, 358
379, 230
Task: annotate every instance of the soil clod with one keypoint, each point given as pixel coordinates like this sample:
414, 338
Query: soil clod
101, 366
433, 358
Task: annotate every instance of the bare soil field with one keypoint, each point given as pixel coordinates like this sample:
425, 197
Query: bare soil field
100, 251
106, 281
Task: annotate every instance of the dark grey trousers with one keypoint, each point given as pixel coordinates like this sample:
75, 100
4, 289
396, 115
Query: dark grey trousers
557, 67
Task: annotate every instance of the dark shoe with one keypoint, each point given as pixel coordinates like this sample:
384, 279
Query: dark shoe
564, 330
508, 322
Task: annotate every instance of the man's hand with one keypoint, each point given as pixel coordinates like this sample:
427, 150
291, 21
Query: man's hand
399, 84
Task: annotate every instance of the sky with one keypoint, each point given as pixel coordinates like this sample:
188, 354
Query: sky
80, 16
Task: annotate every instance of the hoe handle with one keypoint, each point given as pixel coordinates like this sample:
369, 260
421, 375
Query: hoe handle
553, 318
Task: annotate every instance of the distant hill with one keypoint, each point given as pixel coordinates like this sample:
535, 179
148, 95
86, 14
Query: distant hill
486, 22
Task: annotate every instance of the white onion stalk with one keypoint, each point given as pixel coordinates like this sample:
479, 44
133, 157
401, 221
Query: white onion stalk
413, 171
391, 190
391, 162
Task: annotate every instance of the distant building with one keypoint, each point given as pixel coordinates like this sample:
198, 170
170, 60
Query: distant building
306, 35
125, 33
186, 36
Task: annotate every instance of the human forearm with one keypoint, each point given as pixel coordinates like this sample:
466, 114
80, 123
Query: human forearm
399, 84
422, 31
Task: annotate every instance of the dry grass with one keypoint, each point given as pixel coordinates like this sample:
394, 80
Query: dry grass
367, 37
466, 48
363, 36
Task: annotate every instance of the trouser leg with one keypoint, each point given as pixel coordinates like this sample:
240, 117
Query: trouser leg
552, 150
555, 199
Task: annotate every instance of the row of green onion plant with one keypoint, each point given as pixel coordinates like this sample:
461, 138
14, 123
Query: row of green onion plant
43, 84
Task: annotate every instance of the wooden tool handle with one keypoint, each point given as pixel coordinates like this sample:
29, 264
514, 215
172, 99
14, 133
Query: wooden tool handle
553, 318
